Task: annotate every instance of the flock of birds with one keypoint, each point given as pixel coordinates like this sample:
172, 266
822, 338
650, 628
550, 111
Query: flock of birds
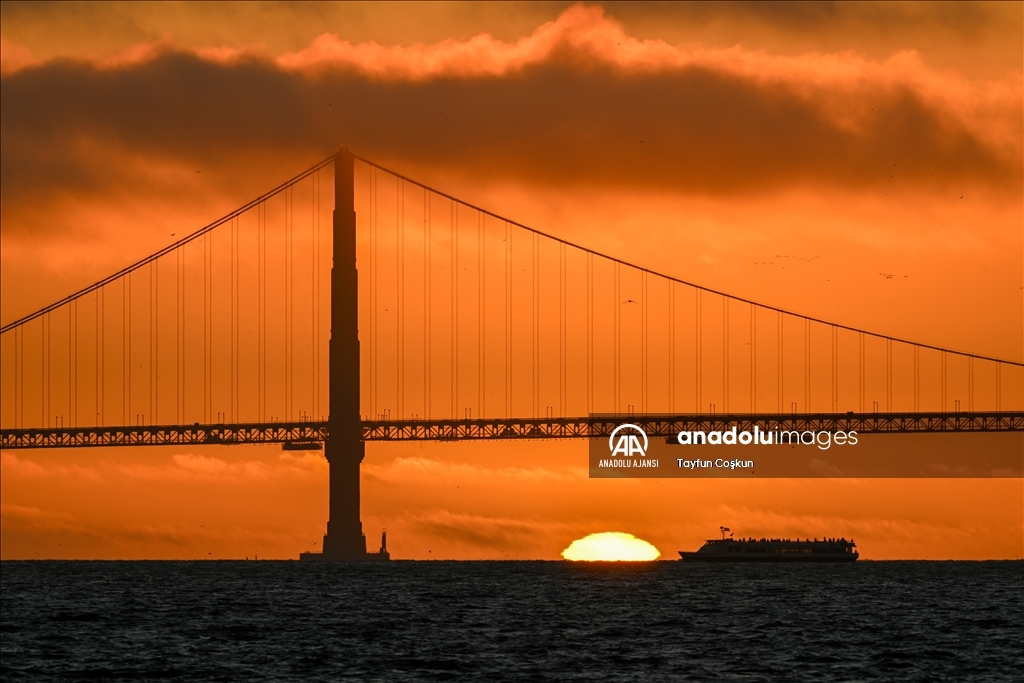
887, 276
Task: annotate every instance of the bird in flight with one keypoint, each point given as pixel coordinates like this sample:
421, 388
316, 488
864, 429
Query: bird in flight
630, 301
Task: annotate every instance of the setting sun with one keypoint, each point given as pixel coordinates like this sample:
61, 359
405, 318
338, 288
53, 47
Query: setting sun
611, 546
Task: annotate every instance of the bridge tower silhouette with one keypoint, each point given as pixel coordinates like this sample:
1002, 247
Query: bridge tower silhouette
344, 448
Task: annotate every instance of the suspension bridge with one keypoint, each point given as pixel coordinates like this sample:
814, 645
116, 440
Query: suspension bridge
459, 324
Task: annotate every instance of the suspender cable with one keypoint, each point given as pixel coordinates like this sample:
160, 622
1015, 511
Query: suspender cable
534, 332
753, 358
19, 377
561, 330
835, 368
456, 297
454, 260
698, 365
565, 333
154, 355
206, 383
970, 384
780, 362
617, 309
177, 336
943, 375
124, 350
537, 325
262, 340
508, 321
888, 375
233, 345
590, 333
45, 368
481, 324
373, 292
725, 354
807, 366
917, 378
428, 276
96, 368
861, 371
532, 327
645, 312
290, 299
314, 286
426, 289
671, 347
128, 359
399, 295
998, 386
70, 394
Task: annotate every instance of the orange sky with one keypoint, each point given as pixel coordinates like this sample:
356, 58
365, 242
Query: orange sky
878, 138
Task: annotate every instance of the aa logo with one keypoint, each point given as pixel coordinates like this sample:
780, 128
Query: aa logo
628, 443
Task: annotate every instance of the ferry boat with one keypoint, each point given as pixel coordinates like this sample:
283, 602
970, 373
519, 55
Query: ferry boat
773, 550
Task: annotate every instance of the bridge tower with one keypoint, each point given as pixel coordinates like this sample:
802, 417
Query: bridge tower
345, 448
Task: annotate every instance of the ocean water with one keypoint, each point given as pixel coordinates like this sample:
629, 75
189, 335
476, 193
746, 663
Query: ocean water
511, 621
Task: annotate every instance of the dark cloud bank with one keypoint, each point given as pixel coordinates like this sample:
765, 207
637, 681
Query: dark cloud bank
690, 130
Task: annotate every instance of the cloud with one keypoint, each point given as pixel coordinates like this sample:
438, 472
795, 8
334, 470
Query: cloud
14, 56
26, 515
577, 102
418, 470
11, 465
493, 533
107, 504
185, 468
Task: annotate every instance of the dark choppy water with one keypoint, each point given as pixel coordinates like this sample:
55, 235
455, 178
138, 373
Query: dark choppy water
410, 621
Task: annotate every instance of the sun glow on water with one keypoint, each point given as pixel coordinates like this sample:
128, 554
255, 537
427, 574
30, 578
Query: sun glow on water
611, 546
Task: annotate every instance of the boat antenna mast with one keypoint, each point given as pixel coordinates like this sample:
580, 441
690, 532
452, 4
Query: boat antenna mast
723, 529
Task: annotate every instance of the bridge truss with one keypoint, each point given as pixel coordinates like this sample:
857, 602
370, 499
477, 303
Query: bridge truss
311, 435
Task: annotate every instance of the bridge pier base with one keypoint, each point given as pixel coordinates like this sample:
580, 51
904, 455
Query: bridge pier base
344, 540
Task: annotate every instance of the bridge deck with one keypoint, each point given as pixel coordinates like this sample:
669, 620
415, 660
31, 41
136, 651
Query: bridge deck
310, 434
